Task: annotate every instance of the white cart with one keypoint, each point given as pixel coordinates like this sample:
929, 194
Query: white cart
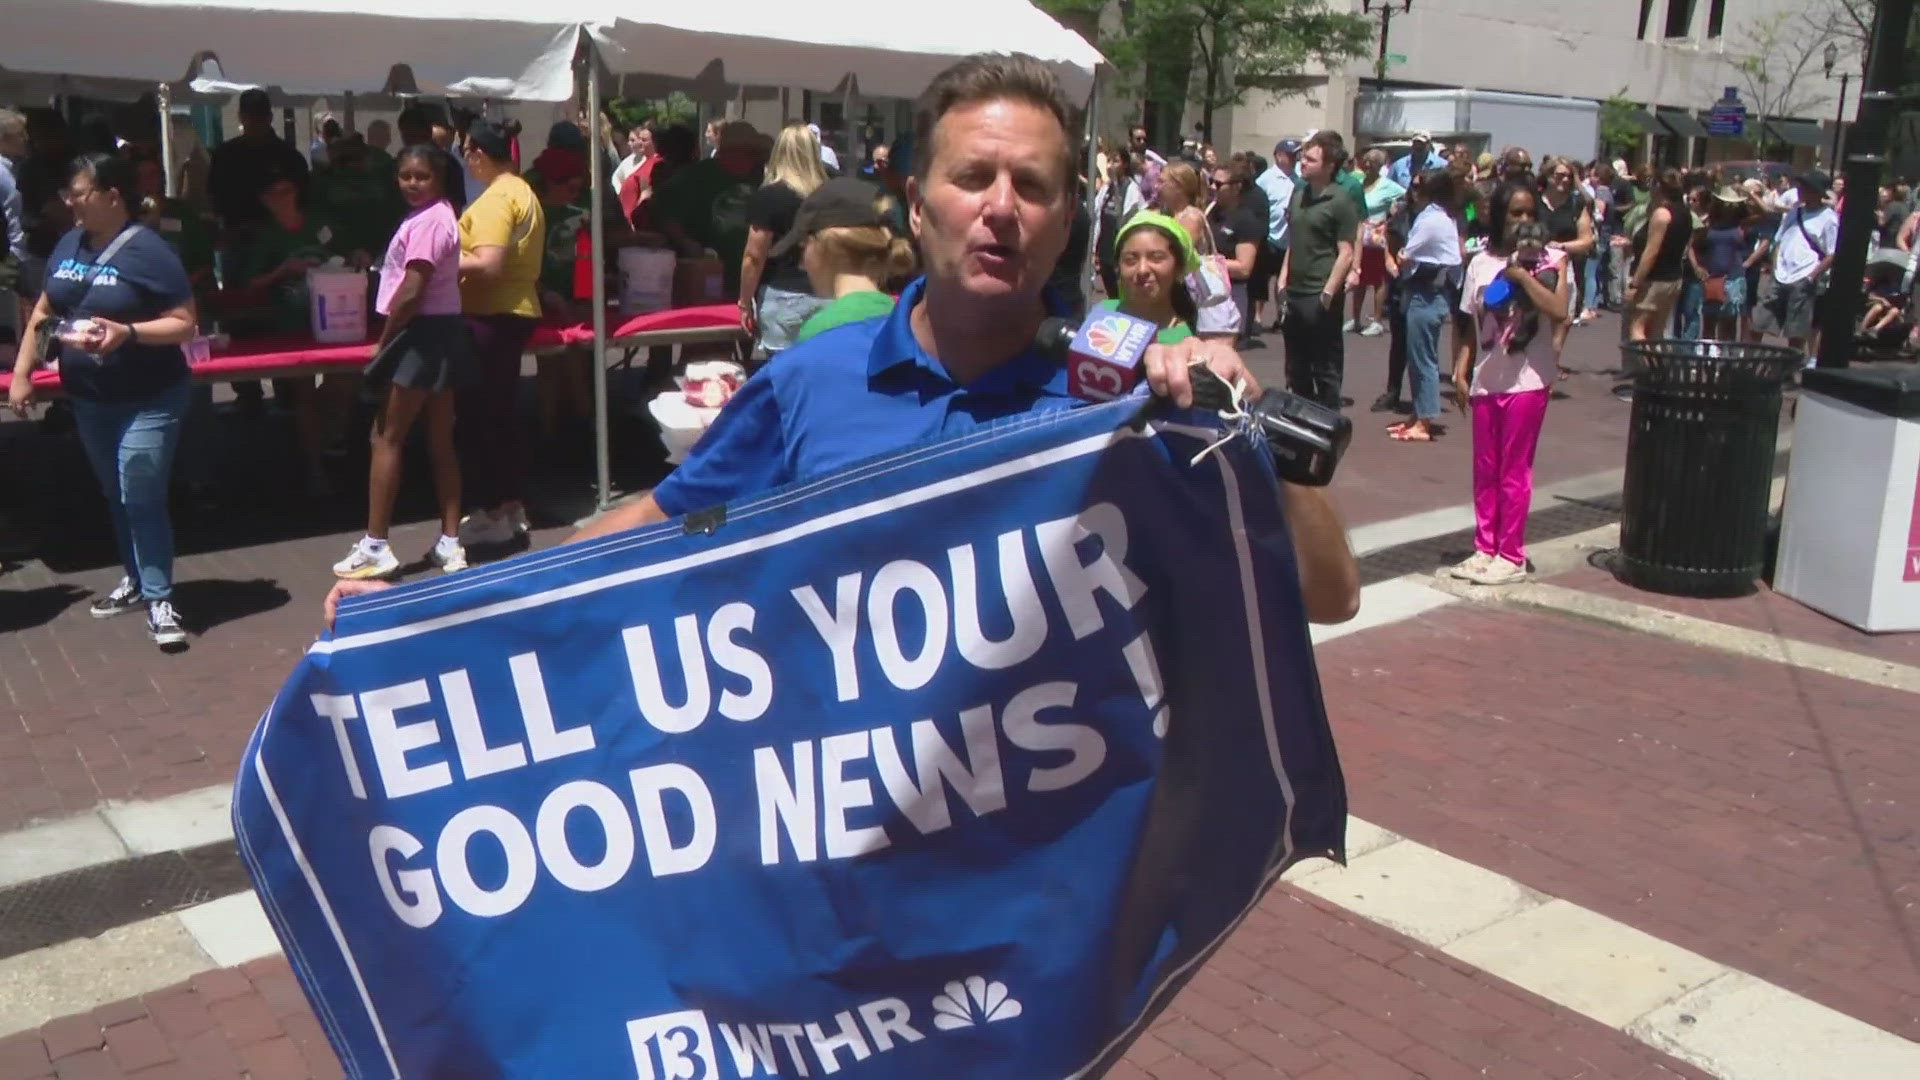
1850, 532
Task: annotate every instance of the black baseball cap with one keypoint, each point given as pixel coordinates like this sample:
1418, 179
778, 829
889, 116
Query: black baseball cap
844, 201
1815, 179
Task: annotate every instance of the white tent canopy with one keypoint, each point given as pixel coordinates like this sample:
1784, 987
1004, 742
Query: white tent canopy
471, 48
887, 49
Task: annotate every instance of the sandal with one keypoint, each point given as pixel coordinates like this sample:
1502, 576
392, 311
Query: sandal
1409, 433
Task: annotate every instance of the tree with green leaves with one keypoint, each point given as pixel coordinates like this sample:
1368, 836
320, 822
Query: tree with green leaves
1212, 53
1620, 129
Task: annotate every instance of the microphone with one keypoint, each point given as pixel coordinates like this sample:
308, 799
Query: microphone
1103, 354
1304, 439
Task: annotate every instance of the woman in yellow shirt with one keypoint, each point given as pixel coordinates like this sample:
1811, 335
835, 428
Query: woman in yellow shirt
502, 234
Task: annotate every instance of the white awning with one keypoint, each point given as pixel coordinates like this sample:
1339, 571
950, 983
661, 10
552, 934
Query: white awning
506, 49
889, 50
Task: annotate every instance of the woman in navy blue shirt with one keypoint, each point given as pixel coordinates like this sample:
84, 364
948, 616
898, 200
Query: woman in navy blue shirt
120, 304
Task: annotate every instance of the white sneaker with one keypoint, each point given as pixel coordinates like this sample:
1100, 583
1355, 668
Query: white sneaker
1471, 567
1350, 326
481, 527
1373, 329
365, 562
164, 624
518, 515
448, 555
1501, 572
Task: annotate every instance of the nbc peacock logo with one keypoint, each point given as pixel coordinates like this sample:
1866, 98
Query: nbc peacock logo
1106, 335
975, 1001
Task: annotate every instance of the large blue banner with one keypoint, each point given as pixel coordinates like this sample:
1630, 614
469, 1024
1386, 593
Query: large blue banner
951, 765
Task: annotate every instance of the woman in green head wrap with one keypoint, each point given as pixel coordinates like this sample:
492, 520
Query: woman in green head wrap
1154, 257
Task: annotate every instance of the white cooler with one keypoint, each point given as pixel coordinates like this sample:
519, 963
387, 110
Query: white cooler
1850, 531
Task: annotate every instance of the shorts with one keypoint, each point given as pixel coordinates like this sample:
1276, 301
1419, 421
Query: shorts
1266, 266
1659, 297
1735, 303
1373, 267
1790, 311
430, 353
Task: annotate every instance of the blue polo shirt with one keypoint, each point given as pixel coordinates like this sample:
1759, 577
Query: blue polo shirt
852, 393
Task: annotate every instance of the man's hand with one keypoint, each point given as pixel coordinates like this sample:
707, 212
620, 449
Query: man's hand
343, 589
1167, 368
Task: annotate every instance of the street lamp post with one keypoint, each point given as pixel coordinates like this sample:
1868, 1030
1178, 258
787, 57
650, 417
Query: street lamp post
1832, 57
1385, 7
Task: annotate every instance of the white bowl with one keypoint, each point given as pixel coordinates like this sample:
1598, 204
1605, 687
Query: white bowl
681, 424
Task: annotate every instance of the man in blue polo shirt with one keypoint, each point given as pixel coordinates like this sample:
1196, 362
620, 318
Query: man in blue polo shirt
989, 201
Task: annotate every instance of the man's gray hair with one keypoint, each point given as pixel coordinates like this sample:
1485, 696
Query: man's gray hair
12, 121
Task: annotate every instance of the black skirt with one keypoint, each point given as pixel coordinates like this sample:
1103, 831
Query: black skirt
431, 352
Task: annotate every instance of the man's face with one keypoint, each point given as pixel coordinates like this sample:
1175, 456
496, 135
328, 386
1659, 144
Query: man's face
1139, 136
1419, 149
442, 136
1313, 164
882, 157
1283, 161
640, 142
13, 140
991, 214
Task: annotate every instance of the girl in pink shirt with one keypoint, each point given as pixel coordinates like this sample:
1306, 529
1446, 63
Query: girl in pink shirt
1516, 293
419, 359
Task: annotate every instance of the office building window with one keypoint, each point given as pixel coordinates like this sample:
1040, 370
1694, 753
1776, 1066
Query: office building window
1716, 17
1679, 18
1646, 12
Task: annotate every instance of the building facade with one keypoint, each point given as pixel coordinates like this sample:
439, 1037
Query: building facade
1673, 58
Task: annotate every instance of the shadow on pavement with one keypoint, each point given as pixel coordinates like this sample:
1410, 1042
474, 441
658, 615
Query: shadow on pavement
27, 608
206, 604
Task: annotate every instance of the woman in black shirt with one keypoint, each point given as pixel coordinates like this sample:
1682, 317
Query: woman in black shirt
1660, 248
120, 306
775, 296
1568, 215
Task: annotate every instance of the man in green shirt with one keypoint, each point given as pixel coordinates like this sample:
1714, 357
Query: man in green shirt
704, 204
1323, 221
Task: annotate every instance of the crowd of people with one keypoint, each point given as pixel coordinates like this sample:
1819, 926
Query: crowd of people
1508, 257
469, 251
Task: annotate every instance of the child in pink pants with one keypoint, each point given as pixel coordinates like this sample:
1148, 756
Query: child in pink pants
1516, 294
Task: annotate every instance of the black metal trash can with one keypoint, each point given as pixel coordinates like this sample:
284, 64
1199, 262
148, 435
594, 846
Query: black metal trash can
1700, 448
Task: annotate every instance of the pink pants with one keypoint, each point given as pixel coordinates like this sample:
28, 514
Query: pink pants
1506, 429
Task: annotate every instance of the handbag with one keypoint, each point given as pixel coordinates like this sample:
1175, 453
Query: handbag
46, 345
1714, 290
1216, 313
1209, 283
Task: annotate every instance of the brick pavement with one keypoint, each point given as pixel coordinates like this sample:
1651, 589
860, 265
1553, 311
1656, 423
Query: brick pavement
1301, 989
1761, 815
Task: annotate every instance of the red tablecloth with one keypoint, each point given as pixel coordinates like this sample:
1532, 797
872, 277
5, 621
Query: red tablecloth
258, 357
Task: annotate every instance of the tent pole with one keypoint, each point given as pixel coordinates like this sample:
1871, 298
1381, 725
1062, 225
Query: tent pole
163, 100
596, 185
1088, 273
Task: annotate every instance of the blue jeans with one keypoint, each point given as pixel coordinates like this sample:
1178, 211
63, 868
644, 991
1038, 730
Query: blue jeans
1426, 314
1686, 314
130, 445
1592, 295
